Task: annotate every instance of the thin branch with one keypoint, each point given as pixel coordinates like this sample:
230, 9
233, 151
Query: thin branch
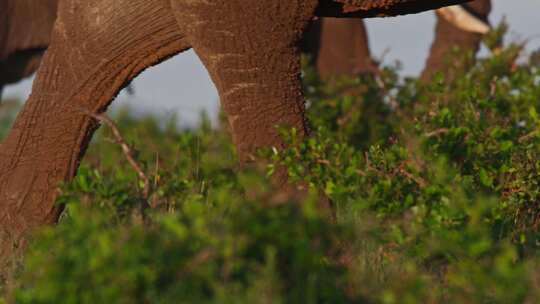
417, 179
437, 132
126, 149
528, 136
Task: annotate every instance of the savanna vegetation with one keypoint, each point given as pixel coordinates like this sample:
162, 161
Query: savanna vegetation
436, 189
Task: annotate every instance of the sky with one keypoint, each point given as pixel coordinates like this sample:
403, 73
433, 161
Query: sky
182, 86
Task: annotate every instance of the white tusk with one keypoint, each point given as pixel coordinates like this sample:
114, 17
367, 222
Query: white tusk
462, 19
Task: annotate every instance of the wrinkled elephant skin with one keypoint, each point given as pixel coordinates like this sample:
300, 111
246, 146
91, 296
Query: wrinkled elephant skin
97, 47
25, 28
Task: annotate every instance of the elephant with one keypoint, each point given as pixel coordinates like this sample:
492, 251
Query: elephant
338, 46
25, 28
447, 35
341, 46
249, 47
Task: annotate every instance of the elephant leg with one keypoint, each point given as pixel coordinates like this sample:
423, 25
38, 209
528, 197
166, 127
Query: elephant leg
448, 36
96, 48
251, 53
344, 48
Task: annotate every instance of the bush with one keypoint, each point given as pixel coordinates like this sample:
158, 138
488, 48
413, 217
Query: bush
435, 187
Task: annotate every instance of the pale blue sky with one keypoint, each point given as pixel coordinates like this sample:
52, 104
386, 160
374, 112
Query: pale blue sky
182, 85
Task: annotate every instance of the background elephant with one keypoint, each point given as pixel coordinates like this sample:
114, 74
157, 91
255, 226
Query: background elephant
341, 46
448, 36
250, 48
25, 28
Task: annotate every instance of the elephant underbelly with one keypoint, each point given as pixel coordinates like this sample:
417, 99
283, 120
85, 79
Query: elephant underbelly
365, 5
379, 8
19, 65
25, 24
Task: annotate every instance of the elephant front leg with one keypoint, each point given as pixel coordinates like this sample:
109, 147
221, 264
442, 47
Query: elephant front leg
97, 47
250, 51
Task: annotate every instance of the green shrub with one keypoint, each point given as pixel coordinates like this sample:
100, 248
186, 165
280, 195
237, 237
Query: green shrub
435, 188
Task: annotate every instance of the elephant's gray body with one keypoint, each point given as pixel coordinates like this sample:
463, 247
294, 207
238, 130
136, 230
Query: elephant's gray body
25, 29
25, 24
341, 46
249, 48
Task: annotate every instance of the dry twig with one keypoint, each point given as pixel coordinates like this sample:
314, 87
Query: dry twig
437, 132
126, 149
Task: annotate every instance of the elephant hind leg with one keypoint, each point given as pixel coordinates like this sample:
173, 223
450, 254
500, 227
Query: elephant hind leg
252, 56
95, 50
